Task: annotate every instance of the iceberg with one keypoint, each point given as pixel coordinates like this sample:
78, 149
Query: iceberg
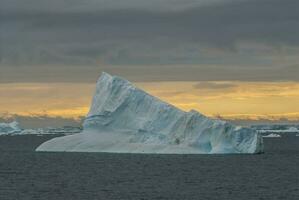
272, 135
10, 128
66, 130
126, 119
13, 128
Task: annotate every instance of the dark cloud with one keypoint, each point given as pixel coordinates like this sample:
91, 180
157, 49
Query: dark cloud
149, 73
225, 40
102, 5
214, 86
169, 93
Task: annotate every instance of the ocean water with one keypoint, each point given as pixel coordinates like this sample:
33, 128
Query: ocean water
29, 175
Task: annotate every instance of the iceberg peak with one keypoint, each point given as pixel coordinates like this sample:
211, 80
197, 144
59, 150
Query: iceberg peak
125, 119
105, 77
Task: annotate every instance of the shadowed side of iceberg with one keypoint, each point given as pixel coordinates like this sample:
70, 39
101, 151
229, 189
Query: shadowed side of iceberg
125, 119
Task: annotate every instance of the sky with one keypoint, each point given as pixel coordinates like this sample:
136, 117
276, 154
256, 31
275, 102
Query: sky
237, 59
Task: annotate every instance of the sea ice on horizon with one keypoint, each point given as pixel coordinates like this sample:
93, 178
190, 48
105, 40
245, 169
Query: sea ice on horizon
125, 119
10, 128
13, 128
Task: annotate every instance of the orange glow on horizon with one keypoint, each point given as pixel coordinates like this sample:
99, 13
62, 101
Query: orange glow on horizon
232, 100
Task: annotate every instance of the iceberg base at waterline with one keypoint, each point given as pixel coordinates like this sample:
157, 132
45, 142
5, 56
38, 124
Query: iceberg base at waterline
112, 142
125, 119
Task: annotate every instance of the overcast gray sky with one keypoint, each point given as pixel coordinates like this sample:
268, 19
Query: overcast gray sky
190, 40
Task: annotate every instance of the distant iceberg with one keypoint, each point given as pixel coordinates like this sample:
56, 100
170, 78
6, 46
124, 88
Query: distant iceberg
66, 130
13, 128
272, 135
293, 129
10, 128
125, 119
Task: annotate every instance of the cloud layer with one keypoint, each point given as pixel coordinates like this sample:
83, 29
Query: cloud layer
50, 41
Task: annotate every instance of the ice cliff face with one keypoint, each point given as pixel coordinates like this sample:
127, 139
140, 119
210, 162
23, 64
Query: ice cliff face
10, 128
125, 119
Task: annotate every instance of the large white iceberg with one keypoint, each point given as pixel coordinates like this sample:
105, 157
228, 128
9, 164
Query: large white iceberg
10, 128
125, 119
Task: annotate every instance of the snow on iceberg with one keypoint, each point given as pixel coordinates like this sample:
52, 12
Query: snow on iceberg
10, 128
125, 119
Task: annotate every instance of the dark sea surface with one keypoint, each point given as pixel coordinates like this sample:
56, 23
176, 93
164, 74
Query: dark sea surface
25, 174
